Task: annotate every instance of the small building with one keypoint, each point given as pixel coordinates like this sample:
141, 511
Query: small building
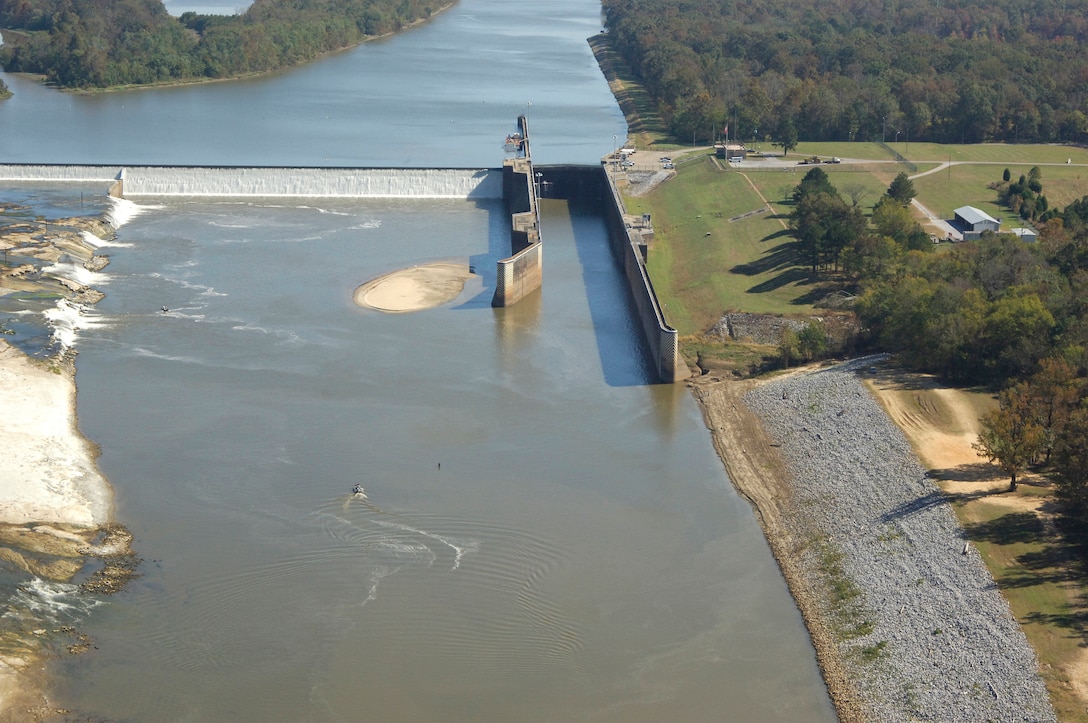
732, 151
973, 222
1026, 235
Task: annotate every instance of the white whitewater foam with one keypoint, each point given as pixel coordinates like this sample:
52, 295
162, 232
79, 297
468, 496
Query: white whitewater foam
315, 182
68, 318
50, 602
96, 242
123, 210
77, 273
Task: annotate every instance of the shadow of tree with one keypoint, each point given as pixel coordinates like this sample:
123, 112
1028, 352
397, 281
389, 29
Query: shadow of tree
1076, 620
795, 275
914, 506
1054, 558
1014, 527
816, 293
972, 472
783, 256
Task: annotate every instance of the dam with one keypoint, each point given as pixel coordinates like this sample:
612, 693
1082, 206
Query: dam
518, 183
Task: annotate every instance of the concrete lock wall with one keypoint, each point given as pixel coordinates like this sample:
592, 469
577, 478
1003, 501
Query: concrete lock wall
522, 272
662, 339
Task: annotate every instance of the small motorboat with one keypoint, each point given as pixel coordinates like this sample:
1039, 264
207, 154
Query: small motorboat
358, 491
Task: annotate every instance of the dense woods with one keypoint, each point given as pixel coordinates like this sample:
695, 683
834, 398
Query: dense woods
103, 43
958, 71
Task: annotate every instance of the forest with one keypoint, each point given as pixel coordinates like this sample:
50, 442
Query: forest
950, 71
82, 44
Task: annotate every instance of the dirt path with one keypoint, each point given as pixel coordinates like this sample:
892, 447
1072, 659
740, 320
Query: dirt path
942, 424
763, 198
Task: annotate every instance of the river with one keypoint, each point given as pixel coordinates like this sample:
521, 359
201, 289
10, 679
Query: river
547, 534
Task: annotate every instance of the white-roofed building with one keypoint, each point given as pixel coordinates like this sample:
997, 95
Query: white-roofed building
973, 222
1027, 235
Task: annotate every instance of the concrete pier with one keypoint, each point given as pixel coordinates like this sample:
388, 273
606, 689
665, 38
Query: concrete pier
522, 272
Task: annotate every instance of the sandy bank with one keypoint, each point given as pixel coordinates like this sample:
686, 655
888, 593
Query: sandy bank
414, 289
49, 473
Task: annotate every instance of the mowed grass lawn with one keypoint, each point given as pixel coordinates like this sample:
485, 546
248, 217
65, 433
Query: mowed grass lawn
717, 247
720, 240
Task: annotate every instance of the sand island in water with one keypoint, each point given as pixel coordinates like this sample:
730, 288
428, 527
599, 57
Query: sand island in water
414, 289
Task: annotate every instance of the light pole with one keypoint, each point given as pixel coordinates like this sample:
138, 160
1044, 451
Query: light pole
614, 161
897, 136
883, 128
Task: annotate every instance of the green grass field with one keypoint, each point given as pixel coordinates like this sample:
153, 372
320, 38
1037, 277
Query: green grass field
720, 241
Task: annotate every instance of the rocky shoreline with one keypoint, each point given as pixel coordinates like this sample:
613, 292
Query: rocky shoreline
55, 507
907, 621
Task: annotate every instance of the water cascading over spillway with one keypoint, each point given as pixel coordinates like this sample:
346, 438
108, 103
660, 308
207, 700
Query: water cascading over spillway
264, 182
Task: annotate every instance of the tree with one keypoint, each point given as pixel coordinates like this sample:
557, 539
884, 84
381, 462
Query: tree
1015, 333
1071, 463
1011, 437
1055, 391
902, 190
816, 181
786, 136
825, 226
788, 347
892, 219
812, 340
1006, 176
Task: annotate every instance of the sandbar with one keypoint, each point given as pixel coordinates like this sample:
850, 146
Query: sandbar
49, 469
414, 289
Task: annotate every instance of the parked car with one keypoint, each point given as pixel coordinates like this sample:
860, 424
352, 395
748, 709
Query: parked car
627, 164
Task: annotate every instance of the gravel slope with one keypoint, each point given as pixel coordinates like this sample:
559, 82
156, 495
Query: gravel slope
926, 631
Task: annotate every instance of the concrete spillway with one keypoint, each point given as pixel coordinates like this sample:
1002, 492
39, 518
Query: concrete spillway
132, 181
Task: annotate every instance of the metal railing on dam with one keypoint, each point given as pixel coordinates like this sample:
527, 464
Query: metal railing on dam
135, 181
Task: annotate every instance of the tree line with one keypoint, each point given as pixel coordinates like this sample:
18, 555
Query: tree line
106, 43
998, 312
949, 71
